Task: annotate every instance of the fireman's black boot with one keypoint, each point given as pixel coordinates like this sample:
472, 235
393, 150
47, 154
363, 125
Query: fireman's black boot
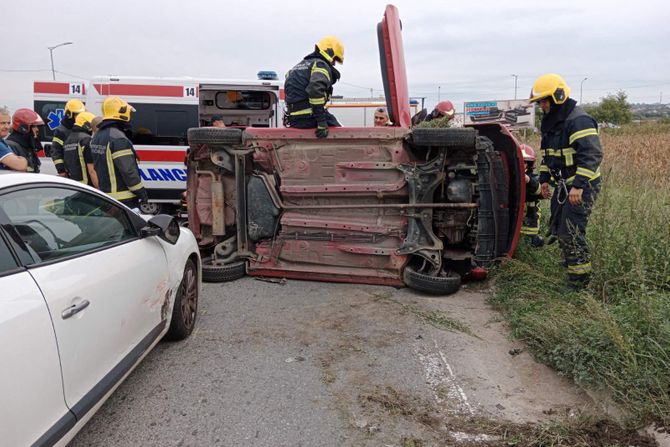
578, 282
536, 241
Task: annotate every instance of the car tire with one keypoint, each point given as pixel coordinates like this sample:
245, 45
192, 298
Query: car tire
444, 137
214, 136
222, 273
185, 309
151, 208
434, 285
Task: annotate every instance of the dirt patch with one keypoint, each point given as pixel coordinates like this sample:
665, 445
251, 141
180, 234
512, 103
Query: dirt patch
387, 402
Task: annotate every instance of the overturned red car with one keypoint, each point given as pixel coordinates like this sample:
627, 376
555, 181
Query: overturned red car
422, 207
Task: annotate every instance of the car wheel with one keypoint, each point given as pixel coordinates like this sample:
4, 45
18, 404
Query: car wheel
214, 137
435, 285
185, 308
444, 137
222, 273
152, 208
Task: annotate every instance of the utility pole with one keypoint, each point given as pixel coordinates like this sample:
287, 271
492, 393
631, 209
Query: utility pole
51, 54
661, 100
581, 85
515, 82
438, 93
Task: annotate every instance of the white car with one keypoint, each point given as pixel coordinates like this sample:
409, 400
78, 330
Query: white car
87, 288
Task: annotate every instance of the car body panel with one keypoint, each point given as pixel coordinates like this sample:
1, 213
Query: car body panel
340, 187
125, 305
34, 403
394, 75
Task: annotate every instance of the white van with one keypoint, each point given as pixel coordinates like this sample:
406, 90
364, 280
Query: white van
165, 109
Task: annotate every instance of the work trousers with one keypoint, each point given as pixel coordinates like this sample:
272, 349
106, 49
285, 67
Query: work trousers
309, 122
568, 223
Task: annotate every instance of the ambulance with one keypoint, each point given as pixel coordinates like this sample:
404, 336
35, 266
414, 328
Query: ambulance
165, 108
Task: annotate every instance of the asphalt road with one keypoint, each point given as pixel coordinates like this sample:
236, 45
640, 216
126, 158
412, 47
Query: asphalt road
319, 364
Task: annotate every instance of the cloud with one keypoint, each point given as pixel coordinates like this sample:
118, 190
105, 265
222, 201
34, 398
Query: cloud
467, 49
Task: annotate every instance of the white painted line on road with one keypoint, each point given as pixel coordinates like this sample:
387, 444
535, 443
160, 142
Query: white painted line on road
462, 437
440, 376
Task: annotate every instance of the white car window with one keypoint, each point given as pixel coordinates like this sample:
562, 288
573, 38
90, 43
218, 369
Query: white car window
59, 222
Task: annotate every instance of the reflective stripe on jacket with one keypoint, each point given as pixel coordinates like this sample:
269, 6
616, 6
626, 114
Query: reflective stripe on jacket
115, 162
76, 153
572, 151
61, 134
309, 85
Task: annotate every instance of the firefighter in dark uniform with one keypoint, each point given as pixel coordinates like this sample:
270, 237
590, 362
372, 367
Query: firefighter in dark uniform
23, 140
571, 156
72, 108
532, 214
77, 151
309, 85
114, 157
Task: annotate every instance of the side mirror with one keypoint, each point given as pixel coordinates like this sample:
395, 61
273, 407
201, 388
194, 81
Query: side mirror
163, 226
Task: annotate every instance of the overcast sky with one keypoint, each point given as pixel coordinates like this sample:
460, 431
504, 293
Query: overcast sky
466, 50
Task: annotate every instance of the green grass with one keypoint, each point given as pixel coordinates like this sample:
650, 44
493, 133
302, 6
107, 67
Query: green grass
614, 336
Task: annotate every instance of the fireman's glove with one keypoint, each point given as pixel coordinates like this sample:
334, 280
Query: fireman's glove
322, 130
142, 196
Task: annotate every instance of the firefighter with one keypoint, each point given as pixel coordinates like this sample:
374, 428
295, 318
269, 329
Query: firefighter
77, 151
443, 109
114, 157
571, 155
531, 217
23, 141
309, 86
72, 108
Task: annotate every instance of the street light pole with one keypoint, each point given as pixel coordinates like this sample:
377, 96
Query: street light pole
515, 79
51, 54
438, 93
581, 85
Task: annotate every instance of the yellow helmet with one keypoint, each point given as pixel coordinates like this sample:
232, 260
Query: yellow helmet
72, 107
84, 119
115, 108
552, 86
332, 49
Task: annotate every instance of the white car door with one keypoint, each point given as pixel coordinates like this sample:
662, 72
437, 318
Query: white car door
33, 408
106, 288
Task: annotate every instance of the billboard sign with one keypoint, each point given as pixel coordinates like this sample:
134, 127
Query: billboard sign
516, 114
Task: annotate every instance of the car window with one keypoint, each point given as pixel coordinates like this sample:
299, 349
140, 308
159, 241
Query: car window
60, 222
7, 261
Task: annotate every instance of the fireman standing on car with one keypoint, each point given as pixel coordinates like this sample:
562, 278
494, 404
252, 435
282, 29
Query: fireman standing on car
114, 157
571, 156
531, 215
309, 86
77, 151
23, 140
72, 108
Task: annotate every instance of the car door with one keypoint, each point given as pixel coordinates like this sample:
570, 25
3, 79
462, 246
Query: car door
106, 288
32, 407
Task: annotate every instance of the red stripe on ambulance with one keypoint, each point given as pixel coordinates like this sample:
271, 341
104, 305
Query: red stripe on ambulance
173, 91
158, 155
60, 88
